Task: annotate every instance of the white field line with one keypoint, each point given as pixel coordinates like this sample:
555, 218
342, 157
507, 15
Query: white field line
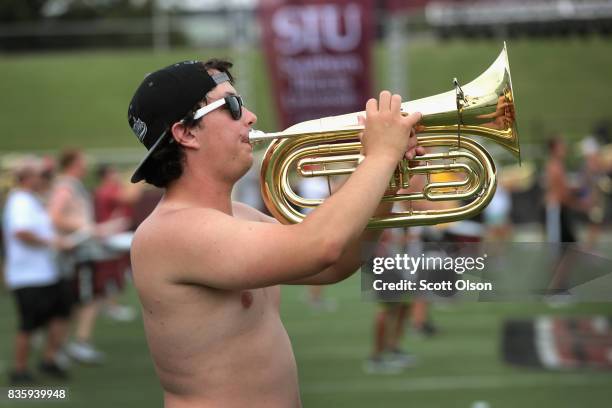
361, 353
453, 383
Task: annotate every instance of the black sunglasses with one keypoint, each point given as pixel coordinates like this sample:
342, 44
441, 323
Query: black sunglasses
233, 103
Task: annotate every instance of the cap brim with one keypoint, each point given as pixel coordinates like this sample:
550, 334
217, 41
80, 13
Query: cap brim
138, 176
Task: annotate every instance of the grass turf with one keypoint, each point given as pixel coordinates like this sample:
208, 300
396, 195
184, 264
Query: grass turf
458, 367
54, 100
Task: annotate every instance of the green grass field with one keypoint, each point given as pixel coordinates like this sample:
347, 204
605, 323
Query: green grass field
55, 100
458, 367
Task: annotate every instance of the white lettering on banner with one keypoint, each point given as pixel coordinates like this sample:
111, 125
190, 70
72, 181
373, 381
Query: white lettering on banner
332, 35
317, 28
305, 100
347, 64
320, 84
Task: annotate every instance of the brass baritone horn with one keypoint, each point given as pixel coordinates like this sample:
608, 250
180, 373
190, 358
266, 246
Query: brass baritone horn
484, 107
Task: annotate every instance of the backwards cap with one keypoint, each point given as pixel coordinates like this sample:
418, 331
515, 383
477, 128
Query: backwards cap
165, 97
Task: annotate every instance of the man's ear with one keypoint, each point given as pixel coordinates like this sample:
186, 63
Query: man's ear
184, 136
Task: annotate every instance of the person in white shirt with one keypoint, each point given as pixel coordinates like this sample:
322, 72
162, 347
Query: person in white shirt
31, 273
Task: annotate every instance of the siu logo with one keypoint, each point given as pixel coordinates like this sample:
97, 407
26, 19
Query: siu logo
315, 28
140, 129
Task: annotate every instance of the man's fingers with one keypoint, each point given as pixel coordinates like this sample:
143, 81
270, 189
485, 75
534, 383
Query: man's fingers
384, 101
411, 157
414, 152
414, 118
371, 106
396, 103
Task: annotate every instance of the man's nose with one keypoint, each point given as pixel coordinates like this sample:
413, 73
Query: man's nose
251, 117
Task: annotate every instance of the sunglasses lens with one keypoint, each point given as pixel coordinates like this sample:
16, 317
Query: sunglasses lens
234, 104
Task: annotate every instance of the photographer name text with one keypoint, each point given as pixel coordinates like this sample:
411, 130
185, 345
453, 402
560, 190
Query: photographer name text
424, 285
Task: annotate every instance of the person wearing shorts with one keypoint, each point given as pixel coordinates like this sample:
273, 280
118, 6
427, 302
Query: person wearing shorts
31, 273
71, 210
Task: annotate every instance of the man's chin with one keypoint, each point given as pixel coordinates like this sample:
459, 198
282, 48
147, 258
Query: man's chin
247, 166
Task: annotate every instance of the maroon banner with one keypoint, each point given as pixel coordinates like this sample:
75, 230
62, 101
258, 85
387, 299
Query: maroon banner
318, 54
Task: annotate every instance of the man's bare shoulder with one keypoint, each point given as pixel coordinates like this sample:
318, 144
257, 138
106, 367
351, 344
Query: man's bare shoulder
164, 226
172, 244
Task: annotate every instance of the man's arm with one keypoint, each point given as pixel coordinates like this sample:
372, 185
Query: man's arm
351, 259
34, 240
31, 239
349, 262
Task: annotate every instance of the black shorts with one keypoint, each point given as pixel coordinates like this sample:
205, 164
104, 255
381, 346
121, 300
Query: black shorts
83, 283
567, 226
37, 305
559, 225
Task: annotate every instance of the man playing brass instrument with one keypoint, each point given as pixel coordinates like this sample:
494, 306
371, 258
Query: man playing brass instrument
207, 270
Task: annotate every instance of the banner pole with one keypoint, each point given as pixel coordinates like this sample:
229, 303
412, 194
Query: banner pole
396, 40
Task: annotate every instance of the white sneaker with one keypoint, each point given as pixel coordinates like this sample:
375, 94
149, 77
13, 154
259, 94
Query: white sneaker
379, 365
120, 313
84, 352
323, 305
402, 358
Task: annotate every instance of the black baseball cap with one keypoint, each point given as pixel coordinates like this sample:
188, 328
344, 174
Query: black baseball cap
165, 97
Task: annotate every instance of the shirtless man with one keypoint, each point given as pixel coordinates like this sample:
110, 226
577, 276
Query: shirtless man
207, 270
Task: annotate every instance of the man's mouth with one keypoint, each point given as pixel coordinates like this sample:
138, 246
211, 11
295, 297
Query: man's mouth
245, 139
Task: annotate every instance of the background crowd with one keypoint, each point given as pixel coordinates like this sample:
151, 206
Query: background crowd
66, 257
